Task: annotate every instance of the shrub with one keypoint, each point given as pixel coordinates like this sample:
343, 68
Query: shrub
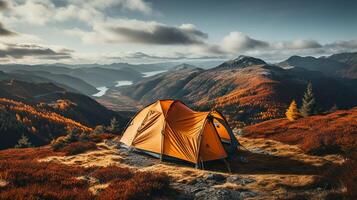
78, 147
112, 173
28, 179
58, 143
143, 185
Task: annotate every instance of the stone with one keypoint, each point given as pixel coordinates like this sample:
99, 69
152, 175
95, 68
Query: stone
215, 177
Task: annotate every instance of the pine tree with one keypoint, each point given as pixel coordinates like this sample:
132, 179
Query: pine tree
114, 125
293, 112
308, 102
23, 142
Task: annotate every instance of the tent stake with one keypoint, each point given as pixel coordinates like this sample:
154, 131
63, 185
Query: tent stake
228, 166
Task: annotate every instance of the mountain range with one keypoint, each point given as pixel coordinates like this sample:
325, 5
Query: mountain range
246, 89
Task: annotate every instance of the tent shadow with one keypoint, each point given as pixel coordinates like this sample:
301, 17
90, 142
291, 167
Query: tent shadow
265, 164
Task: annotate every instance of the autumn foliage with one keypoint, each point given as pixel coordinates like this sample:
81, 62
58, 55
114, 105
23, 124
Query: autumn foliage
26, 178
293, 112
39, 125
318, 134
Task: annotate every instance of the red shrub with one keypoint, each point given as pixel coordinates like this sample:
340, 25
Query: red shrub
143, 185
112, 173
29, 179
320, 134
78, 147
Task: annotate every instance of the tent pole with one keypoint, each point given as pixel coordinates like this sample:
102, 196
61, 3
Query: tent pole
227, 165
162, 145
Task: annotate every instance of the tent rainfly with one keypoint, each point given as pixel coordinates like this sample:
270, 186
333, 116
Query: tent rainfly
168, 128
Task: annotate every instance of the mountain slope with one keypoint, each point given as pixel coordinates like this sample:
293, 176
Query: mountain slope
349, 59
332, 133
41, 126
96, 76
52, 98
339, 65
324, 65
77, 84
244, 93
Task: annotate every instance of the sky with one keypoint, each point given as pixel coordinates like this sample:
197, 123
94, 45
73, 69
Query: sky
148, 31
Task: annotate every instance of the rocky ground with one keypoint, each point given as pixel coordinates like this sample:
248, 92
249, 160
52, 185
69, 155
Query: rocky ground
273, 171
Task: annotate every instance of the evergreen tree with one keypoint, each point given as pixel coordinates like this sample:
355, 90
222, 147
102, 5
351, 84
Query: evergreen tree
114, 125
23, 142
334, 108
293, 112
308, 102
99, 129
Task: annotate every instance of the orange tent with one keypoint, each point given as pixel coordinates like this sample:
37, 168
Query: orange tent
170, 128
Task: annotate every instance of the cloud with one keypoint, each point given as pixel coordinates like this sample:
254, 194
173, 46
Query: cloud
140, 32
238, 42
5, 32
42, 12
297, 44
19, 51
350, 45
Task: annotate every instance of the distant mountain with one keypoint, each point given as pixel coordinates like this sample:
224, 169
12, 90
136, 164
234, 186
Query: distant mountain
247, 90
96, 76
338, 65
241, 62
349, 59
68, 82
324, 65
51, 97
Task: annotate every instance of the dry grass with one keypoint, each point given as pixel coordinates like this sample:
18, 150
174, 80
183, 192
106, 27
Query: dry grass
143, 185
23, 177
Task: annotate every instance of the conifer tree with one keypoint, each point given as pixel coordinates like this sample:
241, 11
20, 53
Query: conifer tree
308, 102
293, 112
114, 125
23, 142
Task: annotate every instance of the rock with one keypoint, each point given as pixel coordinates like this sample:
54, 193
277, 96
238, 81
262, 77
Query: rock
259, 151
245, 181
246, 194
112, 143
214, 194
233, 179
239, 180
215, 177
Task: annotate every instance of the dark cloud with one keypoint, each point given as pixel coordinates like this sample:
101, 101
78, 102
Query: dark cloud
176, 56
160, 34
5, 32
19, 51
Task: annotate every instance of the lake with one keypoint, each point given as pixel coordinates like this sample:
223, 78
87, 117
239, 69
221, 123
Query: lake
102, 91
153, 73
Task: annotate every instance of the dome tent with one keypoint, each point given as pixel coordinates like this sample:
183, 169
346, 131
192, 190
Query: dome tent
168, 128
